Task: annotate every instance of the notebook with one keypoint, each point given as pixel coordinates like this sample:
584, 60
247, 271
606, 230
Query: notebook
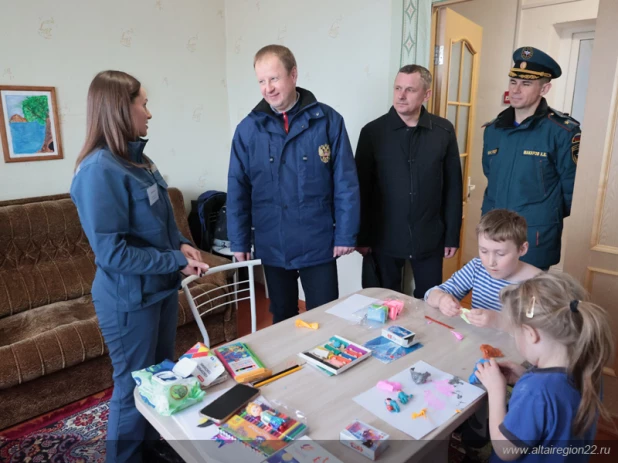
237, 359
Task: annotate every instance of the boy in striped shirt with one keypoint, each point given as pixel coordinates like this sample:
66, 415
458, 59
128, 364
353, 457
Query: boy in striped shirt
502, 241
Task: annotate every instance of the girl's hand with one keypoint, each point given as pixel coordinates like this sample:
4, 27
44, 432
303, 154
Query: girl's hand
511, 370
492, 378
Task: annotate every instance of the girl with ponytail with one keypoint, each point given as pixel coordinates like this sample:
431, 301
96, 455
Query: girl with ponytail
555, 405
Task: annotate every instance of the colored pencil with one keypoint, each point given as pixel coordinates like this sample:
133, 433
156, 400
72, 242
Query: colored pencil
439, 323
281, 374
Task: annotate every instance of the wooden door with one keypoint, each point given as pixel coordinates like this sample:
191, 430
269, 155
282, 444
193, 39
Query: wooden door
457, 46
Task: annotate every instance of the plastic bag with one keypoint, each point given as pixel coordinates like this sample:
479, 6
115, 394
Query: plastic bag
165, 391
376, 315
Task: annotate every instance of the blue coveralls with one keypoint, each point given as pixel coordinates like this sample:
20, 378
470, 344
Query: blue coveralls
530, 169
127, 216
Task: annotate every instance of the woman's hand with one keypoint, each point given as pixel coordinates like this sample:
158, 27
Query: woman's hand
190, 252
194, 268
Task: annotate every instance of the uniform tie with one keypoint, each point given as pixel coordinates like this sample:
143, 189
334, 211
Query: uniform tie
286, 124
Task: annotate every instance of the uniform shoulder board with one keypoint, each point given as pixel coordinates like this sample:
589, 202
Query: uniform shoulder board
563, 120
486, 124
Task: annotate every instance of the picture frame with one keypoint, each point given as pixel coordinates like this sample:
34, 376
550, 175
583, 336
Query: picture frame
29, 124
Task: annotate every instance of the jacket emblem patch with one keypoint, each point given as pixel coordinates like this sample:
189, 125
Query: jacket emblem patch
324, 152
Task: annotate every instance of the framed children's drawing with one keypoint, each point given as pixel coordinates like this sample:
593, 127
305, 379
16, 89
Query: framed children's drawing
29, 124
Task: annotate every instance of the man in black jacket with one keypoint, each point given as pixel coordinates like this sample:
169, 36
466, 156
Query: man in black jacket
411, 186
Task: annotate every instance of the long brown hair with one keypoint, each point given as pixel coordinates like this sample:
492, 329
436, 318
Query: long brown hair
109, 122
562, 311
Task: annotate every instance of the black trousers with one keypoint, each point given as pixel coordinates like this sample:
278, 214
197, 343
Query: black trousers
319, 283
427, 272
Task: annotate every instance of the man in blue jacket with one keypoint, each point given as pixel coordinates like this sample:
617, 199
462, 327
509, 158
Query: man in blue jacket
292, 179
530, 156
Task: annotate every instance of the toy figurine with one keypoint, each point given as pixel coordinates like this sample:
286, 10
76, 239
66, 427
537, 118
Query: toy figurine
419, 378
391, 405
403, 397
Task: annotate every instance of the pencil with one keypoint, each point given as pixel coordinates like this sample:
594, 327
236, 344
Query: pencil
281, 374
439, 323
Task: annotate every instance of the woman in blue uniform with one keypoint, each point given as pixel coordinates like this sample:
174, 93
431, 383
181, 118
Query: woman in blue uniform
127, 216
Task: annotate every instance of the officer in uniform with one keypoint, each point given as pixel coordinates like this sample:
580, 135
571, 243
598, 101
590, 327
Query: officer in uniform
530, 155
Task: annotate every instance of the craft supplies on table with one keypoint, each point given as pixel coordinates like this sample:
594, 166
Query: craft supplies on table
441, 396
303, 324
202, 363
366, 440
387, 351
242, 364
399, 335
490, 351
262, 427
336, 355
276, 376
303, 450
433, 320
377, 313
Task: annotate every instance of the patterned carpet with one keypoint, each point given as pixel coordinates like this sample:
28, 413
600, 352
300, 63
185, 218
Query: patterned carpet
76, 434
73, 434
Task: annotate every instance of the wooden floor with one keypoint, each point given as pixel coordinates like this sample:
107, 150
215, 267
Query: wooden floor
607, 435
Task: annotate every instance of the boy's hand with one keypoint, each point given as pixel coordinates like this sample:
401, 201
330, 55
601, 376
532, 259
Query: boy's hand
492, 378
449, 306
511, 370
484, 318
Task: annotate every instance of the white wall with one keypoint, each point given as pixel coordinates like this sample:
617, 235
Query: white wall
343, 51
498, 20
548, 28
176, 49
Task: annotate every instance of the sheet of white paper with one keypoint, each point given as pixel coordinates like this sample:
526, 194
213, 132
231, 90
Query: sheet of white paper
346, 309
202, 438
441, 396
190, 418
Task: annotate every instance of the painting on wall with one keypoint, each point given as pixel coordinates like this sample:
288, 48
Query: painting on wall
29, 124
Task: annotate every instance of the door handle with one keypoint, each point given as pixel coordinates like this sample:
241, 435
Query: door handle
470, 187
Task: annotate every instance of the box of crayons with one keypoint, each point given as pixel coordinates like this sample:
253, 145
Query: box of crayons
336, 355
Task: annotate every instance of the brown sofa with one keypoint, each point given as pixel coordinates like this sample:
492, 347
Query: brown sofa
52, 352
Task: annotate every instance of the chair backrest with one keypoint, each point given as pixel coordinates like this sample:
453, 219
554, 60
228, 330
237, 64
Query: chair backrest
238, 293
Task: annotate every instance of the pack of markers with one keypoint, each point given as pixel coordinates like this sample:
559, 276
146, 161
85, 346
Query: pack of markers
336, 355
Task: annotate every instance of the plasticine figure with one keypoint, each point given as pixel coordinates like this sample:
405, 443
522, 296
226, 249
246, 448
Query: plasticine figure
419, 378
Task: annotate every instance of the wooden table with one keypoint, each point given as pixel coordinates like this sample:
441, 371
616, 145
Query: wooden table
327, 401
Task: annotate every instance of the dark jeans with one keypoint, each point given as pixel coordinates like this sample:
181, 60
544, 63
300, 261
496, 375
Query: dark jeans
427, 272
319, 283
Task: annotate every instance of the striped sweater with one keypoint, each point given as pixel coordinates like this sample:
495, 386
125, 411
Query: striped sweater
473, 277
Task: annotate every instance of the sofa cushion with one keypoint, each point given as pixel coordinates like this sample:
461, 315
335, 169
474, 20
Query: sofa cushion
44, 256
57, 336
47, 339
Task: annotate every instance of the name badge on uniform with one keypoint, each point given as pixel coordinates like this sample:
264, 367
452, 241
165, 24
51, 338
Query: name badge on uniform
153, 194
